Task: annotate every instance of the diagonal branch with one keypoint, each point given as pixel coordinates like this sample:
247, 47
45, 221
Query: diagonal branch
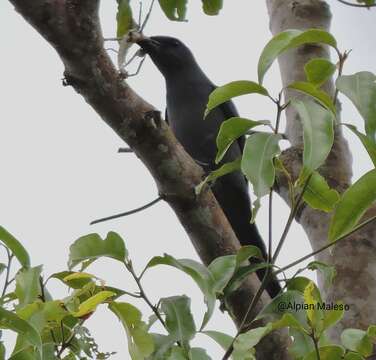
72, 27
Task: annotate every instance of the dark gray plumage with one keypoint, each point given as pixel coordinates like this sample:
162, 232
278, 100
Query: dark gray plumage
188, 89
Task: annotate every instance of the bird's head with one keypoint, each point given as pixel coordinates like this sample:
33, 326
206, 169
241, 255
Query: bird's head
170, 55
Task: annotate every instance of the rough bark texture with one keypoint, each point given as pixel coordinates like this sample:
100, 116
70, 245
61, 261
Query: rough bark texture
354, 258
72, 27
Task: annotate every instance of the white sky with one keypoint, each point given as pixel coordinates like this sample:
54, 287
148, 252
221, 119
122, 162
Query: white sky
59, 161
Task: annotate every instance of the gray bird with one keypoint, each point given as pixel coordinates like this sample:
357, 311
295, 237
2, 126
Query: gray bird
188, 90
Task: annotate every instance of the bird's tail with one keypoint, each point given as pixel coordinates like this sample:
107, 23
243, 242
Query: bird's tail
253, 237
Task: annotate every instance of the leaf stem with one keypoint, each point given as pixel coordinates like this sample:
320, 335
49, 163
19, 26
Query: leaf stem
316, 344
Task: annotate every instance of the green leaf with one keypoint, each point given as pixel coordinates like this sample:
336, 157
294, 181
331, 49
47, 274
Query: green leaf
2, 351
90, 305
246, 341
353, 204
140, 342
15, 247
287, 320
220, 338
240, 275
179, 319
353, 356
328, 271
290, 39
298, 283
124, 18
233, 89
28, 286
222, 171
175, 10
302, 344
371, 332
9, 320
177, 353
75, 283
246, 252
222, 269
241, 271
257, 161
357, 340
360, 88
318, 195
318, 134
369, 145
330, 352
231, 130
27, 353
318, 71
314, 314
78, 276
198, 272
284, 303
162, 346
212, 7
319, 95
198, 354
54, 310
93, 247
332, 316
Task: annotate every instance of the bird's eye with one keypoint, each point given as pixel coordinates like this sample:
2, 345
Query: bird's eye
175, 43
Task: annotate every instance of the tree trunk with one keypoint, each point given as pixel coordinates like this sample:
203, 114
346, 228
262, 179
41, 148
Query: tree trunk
355, 257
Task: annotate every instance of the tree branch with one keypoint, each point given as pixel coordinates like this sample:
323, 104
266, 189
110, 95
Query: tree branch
72, 27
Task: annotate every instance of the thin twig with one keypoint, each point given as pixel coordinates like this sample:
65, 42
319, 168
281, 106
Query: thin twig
270, 230
140, 14
143, 295
138, 68
341, 63
147, 17
125, 150
131, 212
292, 215
315, 342
313, 253
66, 343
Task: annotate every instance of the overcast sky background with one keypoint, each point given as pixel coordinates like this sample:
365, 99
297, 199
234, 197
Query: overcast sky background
59, 163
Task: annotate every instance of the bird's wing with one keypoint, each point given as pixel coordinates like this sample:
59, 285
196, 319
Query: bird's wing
166, 117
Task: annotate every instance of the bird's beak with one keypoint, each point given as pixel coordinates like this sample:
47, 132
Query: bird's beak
148, 44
